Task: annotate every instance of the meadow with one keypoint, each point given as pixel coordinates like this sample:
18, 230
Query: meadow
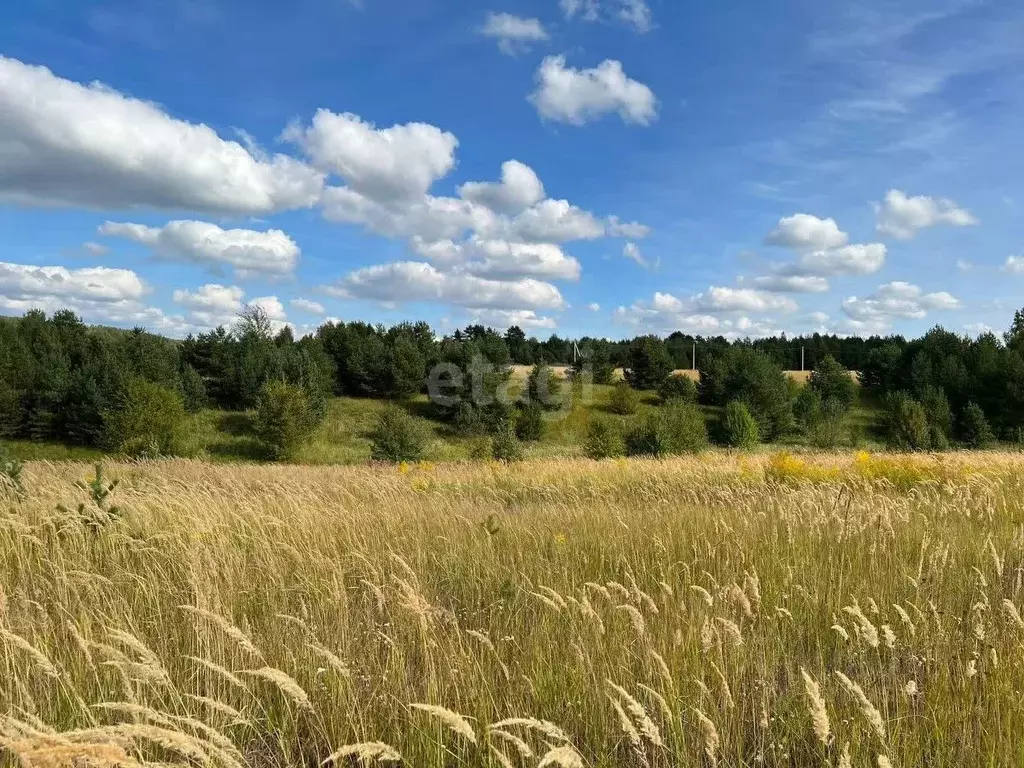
728, 609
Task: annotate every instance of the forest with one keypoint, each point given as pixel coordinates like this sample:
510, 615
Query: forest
129, 391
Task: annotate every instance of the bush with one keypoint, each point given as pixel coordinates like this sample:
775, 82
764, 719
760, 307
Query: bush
677, 387
648, 363
676, 429
193, 390
624, 400
505, 446
807, 407
149, 420
752, 377
975, 431
544, 387
604, 440
285, 419
830, 427
833, 382
940, 415
397, 437
739, 430
530, 422
906, 423
10, 472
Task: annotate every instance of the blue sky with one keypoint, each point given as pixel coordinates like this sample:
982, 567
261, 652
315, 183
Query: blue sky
599, 167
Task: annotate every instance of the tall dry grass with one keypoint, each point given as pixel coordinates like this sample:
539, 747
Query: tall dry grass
725, 611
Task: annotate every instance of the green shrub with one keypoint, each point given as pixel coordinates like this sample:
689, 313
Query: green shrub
149, 420
678, 387
678, 428
751, 376
530, 422
604, 440
648, 363
739, 430
831, 426
10, 410
397, 437
833, 382
193, 390
10, 473
505, 446
545, 388
624, 400
807, 407
284, 419
940, 415
975, 431
906, 423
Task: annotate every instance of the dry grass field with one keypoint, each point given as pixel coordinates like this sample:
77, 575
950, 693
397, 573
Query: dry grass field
733, 611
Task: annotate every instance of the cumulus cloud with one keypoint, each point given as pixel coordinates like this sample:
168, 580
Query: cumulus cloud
307, 305
666, 313
410, 281
501, 259
632, 252
247, 251
67, 144
724, 299
518, 189
514, 34
95, 249
594, 306
858, 259
804, 232
902, 217
1014, 265
402, 161
792, 283
21, 281
632, 13
575, 96
897, 300
97, 294
631, 229
214, 304
501, 320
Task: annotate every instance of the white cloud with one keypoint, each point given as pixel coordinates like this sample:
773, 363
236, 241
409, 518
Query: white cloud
501, 259
632, 252
501, 320
902, 217
977, 329
575, 96
724, 299
633, 13
820, 318
67, 144
248, 251
804, 232
21, 281
556, 221
518, 189
213, 304
400, 162
409, 281
858, 259
95, 249
306, 305
792, 283
964, 265
97, 294
273, 308
1014, 265
594, 306
666, 313
631, 229
513, 33
898, 300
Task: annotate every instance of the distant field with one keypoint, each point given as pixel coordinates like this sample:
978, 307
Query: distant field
715, 611
562, 370
344, 437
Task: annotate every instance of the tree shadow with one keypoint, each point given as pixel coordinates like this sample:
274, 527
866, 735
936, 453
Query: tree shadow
244, 449
236, 424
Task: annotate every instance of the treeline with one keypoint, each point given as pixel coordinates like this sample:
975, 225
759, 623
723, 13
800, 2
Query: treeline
63, 380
